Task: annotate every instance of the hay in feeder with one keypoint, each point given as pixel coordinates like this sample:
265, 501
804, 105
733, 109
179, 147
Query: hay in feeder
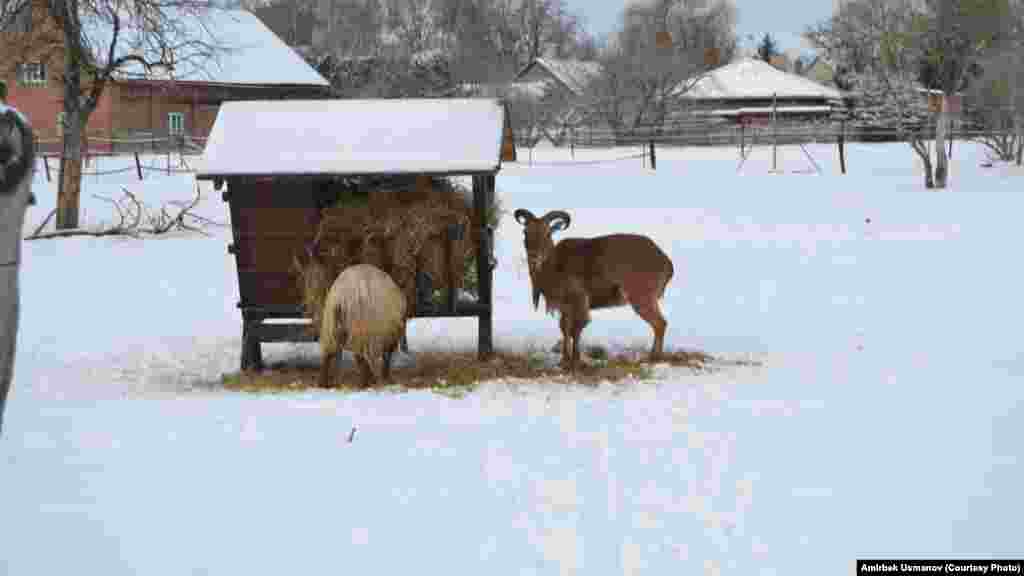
399, 224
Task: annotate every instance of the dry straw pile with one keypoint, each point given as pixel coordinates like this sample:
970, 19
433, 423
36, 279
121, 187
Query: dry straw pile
398, 224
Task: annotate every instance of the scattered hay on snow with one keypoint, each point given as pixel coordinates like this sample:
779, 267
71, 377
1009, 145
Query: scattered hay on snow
446, 371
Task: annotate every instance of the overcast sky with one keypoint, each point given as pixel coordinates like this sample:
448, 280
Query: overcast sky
784, 19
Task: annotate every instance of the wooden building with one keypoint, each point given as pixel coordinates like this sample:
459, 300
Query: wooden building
276, 193
749, 91
568, 76
141, 107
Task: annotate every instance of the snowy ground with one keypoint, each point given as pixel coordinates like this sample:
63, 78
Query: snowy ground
885, 419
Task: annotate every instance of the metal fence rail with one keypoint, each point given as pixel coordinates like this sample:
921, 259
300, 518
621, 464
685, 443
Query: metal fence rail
136, 142
702, 135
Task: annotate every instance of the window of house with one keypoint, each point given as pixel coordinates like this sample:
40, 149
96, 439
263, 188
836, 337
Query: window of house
31, 74
175, 122
20, 22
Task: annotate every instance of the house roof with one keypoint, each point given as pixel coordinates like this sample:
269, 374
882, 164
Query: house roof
750, 78
354, 137
575, 75
247, 51
764, 110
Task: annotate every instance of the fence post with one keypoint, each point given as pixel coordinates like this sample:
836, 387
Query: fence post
775, 133
842, 146
952, 136
654, 161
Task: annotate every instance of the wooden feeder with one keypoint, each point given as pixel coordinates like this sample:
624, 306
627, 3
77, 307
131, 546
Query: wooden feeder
279, 159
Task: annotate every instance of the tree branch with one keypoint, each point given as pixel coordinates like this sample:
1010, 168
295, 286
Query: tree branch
130, 212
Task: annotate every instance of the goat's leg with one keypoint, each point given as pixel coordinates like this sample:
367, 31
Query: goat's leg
567, 341
325, 370
386, 368
365, 369
650, 311
577, 331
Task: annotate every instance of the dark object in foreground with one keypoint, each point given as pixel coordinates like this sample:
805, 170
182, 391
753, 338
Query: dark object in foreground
578, 275
17, 158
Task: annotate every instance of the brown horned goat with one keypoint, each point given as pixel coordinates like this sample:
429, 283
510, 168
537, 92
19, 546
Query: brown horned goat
578, 275
365, 313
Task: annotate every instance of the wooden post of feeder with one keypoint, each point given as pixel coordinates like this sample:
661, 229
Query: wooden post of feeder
452, 233
483, 197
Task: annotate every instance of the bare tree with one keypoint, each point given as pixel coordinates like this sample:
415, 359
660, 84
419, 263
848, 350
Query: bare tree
659, 47
483, 41
353, 28
995, 105
953, 37
899, 46
998, 95
472, 44
413, 23
767, 48
543, 110
99, 41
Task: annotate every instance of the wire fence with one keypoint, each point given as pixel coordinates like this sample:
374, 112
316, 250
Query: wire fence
174, 157
532, 162
172, 154
743, 135
96, 146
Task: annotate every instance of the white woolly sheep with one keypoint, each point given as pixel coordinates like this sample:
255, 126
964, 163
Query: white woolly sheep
364, 313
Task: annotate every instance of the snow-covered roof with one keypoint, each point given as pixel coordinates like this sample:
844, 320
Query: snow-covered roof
247, 51
753, 78
576, 75
536, 89
764, 110
352, 137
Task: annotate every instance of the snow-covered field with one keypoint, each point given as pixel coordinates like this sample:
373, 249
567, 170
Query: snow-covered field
885, 418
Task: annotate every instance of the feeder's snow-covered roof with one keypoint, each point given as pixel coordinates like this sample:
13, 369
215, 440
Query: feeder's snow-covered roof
353, 137
753, 78
245, 51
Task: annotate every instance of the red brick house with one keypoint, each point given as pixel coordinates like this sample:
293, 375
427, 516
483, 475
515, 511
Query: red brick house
252, 63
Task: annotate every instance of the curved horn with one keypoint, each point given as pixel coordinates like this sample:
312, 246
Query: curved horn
523, 216
557, 220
